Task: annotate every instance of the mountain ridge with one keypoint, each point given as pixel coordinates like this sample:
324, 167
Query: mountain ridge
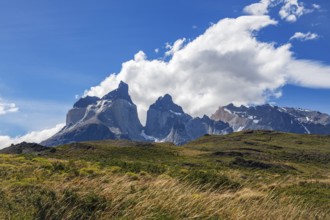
269, 117
114, 116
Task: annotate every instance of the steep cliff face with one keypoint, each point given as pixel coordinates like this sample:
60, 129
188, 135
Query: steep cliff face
79, 110
163, 116
198, 127
112, 117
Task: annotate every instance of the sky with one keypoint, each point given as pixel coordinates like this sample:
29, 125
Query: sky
205, 53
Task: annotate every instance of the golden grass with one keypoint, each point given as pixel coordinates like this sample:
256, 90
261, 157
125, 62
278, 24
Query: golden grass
82, 186
160, 197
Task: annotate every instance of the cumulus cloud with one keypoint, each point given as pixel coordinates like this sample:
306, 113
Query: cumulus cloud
316, 6
226, 64
309, 73
172, 49
34, 136
304, 36
7, 108
292, 10
260, 8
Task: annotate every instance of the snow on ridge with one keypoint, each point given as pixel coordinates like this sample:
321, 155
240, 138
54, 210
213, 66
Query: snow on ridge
147, 137
303, 110
308, 132
176, 113
282, 109
227, 110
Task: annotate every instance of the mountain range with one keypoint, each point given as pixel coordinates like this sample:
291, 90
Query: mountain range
114, 116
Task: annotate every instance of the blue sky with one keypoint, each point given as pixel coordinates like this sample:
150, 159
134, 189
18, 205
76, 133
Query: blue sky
51, 51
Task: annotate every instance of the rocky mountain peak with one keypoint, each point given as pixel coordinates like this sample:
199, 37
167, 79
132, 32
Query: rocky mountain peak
112, 117
233, 107
123, 86
165, 103
120, 93
166, 121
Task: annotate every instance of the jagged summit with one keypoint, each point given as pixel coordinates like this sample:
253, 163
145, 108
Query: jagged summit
233, 107
165, 103
166, 121
86, 101
120, 93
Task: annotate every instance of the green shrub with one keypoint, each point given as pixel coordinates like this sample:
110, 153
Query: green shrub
58, 166
132, 176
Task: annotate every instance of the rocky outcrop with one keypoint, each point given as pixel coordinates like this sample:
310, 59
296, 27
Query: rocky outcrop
24, 148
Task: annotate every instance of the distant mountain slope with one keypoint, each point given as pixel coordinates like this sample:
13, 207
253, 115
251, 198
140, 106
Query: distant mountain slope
268, 117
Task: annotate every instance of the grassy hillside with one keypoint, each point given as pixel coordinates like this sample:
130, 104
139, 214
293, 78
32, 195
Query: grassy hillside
247, 175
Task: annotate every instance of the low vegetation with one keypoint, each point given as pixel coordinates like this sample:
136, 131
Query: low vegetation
246, 175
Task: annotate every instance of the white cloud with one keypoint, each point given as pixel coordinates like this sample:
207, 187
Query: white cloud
260, 8
309, 73
34, 136
292, 10
316, 6
172, 49
7, 108
304, 36
156, 50
223, 65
